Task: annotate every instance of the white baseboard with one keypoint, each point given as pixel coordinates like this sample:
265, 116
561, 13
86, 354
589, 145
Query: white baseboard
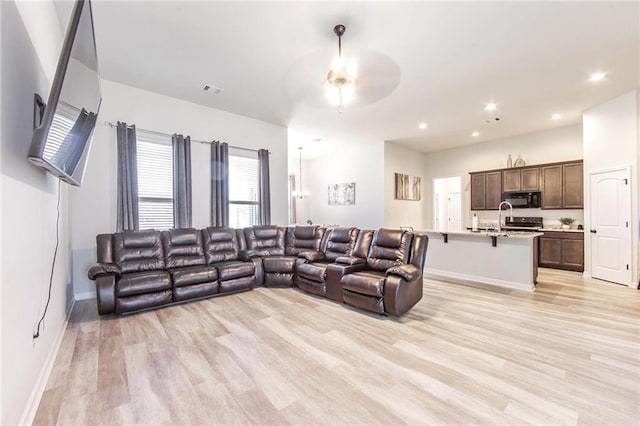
31, 408
84, 295
479, 279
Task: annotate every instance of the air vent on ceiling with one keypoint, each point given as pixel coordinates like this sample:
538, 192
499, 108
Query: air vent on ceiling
212, 89
492, 120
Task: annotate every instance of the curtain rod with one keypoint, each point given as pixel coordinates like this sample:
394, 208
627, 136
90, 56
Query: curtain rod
153, 132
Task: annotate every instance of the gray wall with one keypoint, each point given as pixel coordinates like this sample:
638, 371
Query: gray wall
30, 42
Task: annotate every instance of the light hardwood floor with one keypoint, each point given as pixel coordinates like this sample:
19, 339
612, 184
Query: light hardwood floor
569, 353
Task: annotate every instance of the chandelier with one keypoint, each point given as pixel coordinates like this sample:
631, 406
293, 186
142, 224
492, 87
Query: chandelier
340, 78
301, 193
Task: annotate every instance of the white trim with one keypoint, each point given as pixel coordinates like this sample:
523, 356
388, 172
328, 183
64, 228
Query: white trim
85, 295
482, 280
29, 413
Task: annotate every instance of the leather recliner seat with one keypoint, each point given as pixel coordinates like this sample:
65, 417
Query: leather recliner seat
192, 277
389, 281
311, 273
131, 274
275, 250
222, 250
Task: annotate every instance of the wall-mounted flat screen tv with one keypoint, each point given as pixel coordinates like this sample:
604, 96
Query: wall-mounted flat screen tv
62, 141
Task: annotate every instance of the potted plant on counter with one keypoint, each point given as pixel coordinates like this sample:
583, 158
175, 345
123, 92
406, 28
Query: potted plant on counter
566, 222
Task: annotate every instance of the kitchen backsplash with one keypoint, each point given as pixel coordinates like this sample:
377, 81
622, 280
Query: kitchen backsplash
550, 218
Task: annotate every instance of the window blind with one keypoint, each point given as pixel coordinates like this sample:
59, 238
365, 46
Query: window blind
243, 191
155, 183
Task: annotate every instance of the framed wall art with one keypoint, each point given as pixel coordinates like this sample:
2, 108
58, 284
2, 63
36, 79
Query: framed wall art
408, 187
341, 194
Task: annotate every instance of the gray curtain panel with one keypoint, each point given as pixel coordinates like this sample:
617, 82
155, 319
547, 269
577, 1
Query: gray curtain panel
127, 204
219, 184
264, 194
182, 216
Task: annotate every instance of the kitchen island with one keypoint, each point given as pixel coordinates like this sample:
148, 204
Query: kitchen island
507, 259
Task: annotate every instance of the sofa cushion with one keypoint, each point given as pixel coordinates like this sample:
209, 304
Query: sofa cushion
340, 243
182, 247
143, 301
279, 264
368, 303
234, 269
220, 244
303, 238
265, 240
142, 282
370, 283
194, 275
313, 271
137, 251
195, 291
390, 247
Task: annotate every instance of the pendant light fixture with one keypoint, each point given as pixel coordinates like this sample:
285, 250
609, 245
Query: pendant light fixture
341, 80
300, 194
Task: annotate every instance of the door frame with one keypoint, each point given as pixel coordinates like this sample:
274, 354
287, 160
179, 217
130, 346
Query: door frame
444, 202
587, 220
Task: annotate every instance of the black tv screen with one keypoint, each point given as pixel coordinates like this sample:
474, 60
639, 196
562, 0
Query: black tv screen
61, 143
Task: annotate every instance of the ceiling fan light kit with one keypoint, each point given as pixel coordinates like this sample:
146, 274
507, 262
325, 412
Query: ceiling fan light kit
341, 80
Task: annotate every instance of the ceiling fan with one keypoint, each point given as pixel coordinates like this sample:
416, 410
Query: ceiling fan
360, 78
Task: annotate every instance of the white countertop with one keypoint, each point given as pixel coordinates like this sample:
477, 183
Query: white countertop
501, 234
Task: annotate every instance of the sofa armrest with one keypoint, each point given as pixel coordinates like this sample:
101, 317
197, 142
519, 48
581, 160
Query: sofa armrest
408, 272
334, 273
350, 260
106, 294
312, 256
99, 269
247, 255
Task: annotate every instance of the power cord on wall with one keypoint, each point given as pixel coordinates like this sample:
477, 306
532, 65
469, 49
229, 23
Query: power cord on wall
53, 263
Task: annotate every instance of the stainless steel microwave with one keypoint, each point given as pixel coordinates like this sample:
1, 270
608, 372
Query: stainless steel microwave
523, 200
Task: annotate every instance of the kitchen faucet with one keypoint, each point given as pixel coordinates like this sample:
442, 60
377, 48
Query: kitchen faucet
500, 214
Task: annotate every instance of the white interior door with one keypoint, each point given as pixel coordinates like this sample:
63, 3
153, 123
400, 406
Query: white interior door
610, 212
455, 212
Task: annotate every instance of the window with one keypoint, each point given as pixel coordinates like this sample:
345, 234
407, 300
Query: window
243, 190
155, 182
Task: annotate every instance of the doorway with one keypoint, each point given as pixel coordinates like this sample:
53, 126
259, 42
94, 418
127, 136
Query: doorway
610, 221
447, 202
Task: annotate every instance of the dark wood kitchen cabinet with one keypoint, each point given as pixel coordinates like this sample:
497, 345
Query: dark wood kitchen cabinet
562, 186
521, 180
486, 190
561, 250
572, 186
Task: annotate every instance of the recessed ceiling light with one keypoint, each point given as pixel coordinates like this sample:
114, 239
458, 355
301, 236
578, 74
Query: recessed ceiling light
597, 76
422, 126
490, 106
475, 134
556, 116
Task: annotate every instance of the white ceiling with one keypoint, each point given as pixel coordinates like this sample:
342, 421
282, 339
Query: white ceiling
417, 61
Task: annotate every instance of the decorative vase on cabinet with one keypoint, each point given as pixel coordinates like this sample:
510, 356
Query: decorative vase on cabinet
509, 161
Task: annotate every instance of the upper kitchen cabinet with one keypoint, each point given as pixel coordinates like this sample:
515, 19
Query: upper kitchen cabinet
562, 186
572, 186
486, 191
521, 179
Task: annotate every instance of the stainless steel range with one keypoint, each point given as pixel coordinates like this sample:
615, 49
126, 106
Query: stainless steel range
523, 223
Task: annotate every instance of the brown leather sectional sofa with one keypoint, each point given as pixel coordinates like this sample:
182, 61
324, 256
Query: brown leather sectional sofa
379, 271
